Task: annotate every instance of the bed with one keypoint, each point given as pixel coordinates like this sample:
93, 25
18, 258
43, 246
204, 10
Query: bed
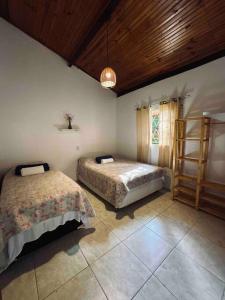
121, 182
33, 205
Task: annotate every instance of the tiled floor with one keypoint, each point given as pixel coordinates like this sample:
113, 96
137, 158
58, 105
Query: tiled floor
154, 249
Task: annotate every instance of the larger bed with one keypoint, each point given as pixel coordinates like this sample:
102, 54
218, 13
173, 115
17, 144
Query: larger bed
121, 182
33, 205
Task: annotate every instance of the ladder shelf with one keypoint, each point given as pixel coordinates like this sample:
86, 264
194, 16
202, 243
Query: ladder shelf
193, 189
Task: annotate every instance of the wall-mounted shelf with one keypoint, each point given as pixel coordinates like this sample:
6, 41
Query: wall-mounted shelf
69, 130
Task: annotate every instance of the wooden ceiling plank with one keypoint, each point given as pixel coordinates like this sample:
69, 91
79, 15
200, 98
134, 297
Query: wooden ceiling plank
135, 48
104, 17
208, 50
4, 9
173, 72
157, 39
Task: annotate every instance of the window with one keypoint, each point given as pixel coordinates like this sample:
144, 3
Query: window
155, 127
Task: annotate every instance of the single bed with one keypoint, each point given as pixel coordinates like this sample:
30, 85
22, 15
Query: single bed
121, 182
33, 205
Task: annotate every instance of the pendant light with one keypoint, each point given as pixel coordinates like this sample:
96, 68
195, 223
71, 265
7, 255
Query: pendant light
108, 76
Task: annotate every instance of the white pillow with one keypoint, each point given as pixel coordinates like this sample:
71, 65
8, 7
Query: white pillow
107, 160
32, 170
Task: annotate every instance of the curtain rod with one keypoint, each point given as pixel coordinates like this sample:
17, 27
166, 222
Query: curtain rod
161, 102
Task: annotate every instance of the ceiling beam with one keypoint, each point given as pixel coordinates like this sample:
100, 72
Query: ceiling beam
4, 9
103, 18
177, 71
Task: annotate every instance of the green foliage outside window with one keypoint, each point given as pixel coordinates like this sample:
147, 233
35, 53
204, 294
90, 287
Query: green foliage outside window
155, 128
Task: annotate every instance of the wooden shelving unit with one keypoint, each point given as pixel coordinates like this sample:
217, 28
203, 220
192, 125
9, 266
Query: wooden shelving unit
195, 190
211, 202
181, 191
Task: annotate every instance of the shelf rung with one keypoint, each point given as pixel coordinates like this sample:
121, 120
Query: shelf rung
213, 185
194, 118
213, 199
186, 199
189, 158
192, 139
213, 209
186, 177
186, 190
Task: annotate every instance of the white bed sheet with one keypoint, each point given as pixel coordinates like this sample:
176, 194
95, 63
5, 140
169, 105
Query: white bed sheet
133, 195
16, 242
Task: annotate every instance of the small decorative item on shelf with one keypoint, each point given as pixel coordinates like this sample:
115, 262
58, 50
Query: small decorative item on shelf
69, 118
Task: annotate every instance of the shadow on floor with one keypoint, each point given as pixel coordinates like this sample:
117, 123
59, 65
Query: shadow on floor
69, 243
129, 210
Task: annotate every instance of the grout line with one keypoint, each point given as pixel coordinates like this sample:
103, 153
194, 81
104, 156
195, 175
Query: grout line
35, 275
121, 241
223, 295
59, 287
89, 265
142, 286
199, 264
172, 248
165, 286
98, 282
193, 261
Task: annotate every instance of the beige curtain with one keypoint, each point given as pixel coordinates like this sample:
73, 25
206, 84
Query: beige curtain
143, 117
169, 112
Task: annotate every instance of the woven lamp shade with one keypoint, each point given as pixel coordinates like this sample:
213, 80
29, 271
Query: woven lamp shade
108, 78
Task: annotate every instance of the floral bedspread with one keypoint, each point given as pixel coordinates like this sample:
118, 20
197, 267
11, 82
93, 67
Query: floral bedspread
29, 200
115, 179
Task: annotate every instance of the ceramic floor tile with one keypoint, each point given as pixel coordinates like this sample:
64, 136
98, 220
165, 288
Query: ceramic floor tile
83, 286
212, 228
161, 203
188, 280
142, 214
182, 213
120, 273
154, 290
148, 247
121, 227
169, 229
206, 253
56, 263
98, 242
18, 281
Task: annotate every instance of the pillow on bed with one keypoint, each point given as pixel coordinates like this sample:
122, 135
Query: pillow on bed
32, 170
99, 158
107, 160
19, 167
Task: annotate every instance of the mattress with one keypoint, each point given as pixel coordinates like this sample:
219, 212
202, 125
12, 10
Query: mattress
32, 205
113, 181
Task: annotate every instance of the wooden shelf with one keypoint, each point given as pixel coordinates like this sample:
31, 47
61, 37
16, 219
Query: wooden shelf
197, 196
189, 158
194, 118
212, 198
69, 130
193, 139
185, 190
186, 199
213, 185
186, 177
213, 209
186, 194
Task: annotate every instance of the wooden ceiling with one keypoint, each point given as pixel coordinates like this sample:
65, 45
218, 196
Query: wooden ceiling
148, 39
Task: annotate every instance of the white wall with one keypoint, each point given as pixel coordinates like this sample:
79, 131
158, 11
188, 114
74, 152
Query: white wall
36, 89
206, 87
